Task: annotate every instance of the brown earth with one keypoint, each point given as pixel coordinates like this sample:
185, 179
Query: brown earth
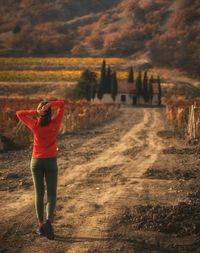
118, 191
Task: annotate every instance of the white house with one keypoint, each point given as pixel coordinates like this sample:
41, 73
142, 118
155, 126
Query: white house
127, 95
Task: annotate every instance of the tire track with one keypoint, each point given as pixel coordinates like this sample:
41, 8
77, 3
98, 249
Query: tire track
110, 199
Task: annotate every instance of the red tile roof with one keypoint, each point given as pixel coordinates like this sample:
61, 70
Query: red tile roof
126, 88
130, 88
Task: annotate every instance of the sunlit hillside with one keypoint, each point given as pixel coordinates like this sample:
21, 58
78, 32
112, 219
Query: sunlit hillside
168, 31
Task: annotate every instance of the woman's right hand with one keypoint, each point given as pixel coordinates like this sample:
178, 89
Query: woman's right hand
41, 111
45, 107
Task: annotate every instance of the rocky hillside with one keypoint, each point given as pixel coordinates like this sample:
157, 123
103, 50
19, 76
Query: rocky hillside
169, 30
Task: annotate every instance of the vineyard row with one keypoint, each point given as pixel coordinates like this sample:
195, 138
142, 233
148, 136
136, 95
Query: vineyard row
185, 115
78, 115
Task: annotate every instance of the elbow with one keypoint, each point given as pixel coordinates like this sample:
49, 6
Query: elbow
17, 113
62, 104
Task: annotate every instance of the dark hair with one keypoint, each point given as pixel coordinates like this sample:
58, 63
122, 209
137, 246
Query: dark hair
45, 119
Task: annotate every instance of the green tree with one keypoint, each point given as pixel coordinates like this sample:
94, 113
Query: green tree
145, 87
151, 88
108, 80
139, 84
159, 89
114, 85
87, 84
102, 83
131, 75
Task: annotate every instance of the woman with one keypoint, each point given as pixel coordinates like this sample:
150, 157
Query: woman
44, 159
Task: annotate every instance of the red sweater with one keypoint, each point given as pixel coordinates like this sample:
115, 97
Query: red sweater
44, 145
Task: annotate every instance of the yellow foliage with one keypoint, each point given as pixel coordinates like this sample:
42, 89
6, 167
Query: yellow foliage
59, 61
47, 75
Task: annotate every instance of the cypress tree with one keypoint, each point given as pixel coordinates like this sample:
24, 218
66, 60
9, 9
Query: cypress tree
108, 80
145, 87
139, 84
151, 88
142, 88
94, 90
159, 89
114, 85
100, 92
131, 75
102, 83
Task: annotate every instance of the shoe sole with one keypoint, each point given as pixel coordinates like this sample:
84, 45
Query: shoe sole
48, 230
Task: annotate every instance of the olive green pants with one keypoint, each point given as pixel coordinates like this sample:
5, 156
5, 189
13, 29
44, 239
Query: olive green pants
44, 168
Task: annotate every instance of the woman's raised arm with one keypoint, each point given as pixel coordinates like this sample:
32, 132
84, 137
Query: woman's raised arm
24, 116
60, 105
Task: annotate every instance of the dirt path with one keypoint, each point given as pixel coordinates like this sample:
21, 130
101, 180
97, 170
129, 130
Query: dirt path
101, 175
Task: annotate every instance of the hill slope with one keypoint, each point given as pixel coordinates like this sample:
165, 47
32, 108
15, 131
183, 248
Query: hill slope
168, 30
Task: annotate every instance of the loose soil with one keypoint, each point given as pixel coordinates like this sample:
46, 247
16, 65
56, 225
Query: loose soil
130, 185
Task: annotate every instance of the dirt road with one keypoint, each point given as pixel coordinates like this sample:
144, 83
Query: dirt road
115, 181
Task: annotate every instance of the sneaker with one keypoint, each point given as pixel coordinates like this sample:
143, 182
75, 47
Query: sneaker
48, 229
40, 230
